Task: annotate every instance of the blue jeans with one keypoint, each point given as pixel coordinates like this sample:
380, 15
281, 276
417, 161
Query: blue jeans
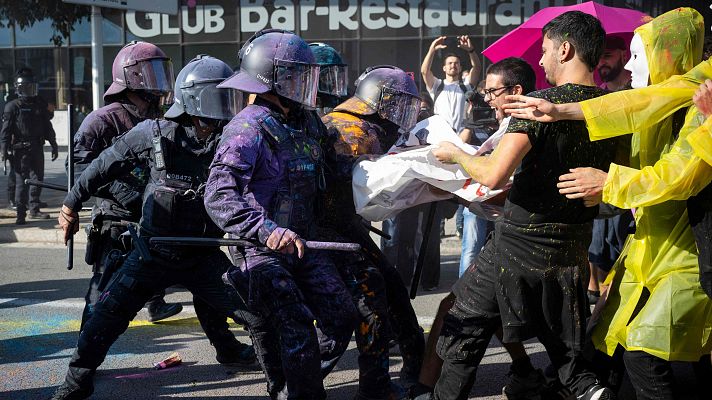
474, 234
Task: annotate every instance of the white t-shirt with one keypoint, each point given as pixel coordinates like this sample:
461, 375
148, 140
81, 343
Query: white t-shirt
450, 103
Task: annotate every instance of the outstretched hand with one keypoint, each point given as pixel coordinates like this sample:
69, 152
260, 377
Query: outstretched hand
703, 98
531, 108
583, 183
438, 43
446, 152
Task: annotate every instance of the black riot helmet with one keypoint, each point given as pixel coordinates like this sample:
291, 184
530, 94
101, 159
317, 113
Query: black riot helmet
25, 83
278, 61
197, 94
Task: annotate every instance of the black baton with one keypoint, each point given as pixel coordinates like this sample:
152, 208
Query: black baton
423, 248
198, 241
70, 177
34, 182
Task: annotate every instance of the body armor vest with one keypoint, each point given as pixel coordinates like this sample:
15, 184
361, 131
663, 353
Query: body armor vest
173, 200
299, 152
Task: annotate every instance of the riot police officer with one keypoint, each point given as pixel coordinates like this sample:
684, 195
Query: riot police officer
142, 80
178, 152
25, 127
385, 106
333, 77
263, 185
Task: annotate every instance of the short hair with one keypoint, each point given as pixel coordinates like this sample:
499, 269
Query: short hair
448, 55
583, 31
515, 71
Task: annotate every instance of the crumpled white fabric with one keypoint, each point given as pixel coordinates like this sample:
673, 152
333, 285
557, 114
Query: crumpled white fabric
401, 178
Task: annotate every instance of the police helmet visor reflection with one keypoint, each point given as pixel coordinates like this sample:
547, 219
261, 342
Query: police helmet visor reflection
296, 81
399, 107
333, 80
206, 100
154, 75
26, 89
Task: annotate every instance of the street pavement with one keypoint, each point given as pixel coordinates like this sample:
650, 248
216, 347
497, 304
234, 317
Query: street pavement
41, 303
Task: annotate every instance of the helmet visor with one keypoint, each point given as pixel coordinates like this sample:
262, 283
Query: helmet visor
155, 75
399, 107
26, 89
296, 81
206, 100
333, 80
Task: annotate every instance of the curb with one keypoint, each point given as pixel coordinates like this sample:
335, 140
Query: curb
37, 231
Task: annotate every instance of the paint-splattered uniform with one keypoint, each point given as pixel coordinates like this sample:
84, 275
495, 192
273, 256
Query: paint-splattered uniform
266, 173
172, 206
539, 255
361, 135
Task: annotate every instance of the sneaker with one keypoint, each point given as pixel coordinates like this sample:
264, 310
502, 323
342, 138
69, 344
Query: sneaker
524, 387
238, 354
38, 215
597, 392
67, 392
163, 311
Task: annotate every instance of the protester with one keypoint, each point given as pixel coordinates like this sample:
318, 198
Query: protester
538, 258
25, 128
178, 151
263, 185
610, 67
128, 103
516, 76
661, 258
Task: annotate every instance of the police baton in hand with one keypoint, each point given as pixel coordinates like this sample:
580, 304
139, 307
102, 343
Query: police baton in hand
42, 184
199, 241
70, 177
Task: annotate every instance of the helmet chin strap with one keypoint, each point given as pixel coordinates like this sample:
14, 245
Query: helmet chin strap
206, 126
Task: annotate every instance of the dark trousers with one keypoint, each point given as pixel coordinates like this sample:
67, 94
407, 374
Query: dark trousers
651, 376
28, 164
11, 183
470, 324
292, 293
404, 321
133, 284
112, 249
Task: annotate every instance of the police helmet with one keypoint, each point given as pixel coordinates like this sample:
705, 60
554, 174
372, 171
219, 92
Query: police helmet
388, 91
279, 61
25, 83
197, 93
333, 72
141, 66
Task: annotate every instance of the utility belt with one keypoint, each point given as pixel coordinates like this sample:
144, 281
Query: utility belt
24, 145
99, 236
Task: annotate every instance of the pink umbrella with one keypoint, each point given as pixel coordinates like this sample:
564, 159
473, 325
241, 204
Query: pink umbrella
525, 40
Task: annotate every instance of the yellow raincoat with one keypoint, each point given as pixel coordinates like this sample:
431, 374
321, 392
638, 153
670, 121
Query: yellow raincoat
675, 322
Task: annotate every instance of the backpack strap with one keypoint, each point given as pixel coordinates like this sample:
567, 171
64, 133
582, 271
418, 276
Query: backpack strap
441, 86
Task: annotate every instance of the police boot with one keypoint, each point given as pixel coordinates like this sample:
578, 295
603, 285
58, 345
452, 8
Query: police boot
235, 353
68, 392
159, 310
38, 215
20, 219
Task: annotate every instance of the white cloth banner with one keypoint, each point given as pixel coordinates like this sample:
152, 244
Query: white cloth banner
401, 178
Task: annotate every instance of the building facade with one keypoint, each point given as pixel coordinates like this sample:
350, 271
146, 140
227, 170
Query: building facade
366, 32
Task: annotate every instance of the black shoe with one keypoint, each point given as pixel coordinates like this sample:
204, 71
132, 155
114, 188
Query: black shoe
237, 354
66, 392
597, 392
163, 310
43, 204
20, 220
38, 215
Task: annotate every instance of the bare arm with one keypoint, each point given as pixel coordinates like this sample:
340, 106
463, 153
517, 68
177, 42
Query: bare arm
425, 71
465, 135
492, 171
466, 44
536, 109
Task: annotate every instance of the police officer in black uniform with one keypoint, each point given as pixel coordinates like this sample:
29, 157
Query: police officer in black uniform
178, 152
25, 127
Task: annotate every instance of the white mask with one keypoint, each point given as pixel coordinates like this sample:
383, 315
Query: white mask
638, 63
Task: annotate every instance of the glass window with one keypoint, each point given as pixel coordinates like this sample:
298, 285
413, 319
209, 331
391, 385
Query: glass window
319, 19
50, 66
81, 33
111, 28
80, 91
39, 34
395, 52
6, 77
5, 34
225, 52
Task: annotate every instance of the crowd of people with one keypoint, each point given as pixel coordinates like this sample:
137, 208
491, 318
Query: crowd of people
609, 206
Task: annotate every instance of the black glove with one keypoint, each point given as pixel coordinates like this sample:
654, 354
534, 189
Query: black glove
55, 152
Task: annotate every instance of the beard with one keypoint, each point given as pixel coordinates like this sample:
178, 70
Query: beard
608, 74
